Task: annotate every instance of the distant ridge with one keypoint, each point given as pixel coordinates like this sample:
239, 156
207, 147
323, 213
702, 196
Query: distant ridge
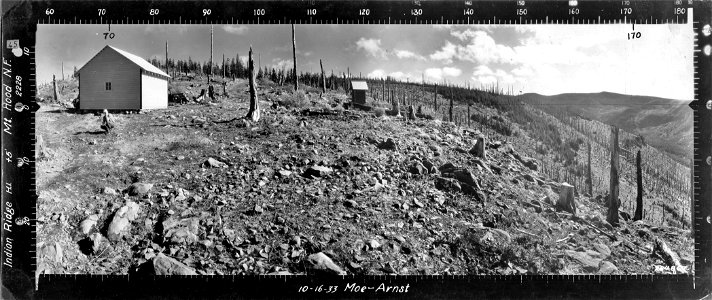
664, 123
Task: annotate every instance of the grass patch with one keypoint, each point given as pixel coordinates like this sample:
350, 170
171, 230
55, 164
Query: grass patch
187, 144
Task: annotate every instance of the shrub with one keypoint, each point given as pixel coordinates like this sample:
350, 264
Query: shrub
296, 99
379, 111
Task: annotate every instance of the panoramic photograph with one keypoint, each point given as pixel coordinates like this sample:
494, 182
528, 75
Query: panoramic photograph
364, 149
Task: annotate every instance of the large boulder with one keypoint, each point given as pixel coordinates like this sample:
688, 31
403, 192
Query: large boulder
321, 263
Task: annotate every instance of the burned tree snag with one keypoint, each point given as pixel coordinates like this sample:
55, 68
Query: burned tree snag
639, 197
54, 88
451, 104
254, 112
210, 67
323, 78
613, 201
589, 178
435, 97
294, 58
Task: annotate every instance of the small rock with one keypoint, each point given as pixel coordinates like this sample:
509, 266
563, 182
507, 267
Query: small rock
606, 267
52, 252
447, 184
374, 244
317, 171
214, 163
180, 157
350, 203
388, 144
139, 188
285, 173
164, 265
602, 249
258, 209
117, 228
417, 168
320, 262
109, 191
87, 224
418, 203
97, 242
587, 262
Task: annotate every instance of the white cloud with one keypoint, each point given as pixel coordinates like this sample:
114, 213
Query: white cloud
437, 74
451, 71
408, 54
483, 76
235, 29
278, 64
371, 46
378, 73
446, 53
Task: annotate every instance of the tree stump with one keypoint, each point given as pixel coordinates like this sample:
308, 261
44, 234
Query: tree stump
478, 150
411, 113
566, 200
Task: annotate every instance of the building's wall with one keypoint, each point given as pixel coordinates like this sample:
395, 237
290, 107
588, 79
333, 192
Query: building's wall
154, 92
109, 66
359, 96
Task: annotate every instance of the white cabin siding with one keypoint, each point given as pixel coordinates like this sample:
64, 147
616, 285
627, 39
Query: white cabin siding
110, 66
154, 92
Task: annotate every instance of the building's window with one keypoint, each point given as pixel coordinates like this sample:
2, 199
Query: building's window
108, 86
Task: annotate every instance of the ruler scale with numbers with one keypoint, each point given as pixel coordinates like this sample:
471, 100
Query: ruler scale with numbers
19, 198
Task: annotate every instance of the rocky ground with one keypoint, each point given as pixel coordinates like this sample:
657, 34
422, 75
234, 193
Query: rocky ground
311, 187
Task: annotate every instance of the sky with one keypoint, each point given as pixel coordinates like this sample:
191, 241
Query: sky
544, 59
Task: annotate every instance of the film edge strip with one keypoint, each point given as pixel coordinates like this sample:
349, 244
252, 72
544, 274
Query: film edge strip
701, 169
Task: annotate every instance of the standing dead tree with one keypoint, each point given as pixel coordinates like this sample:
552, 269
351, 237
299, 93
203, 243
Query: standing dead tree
589, 179
639, 181
210, 66
323, 77
54, 88
254, 112
167, 57
294, 58
613, 202
451, 105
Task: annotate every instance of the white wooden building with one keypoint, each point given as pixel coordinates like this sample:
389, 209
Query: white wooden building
118, 80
